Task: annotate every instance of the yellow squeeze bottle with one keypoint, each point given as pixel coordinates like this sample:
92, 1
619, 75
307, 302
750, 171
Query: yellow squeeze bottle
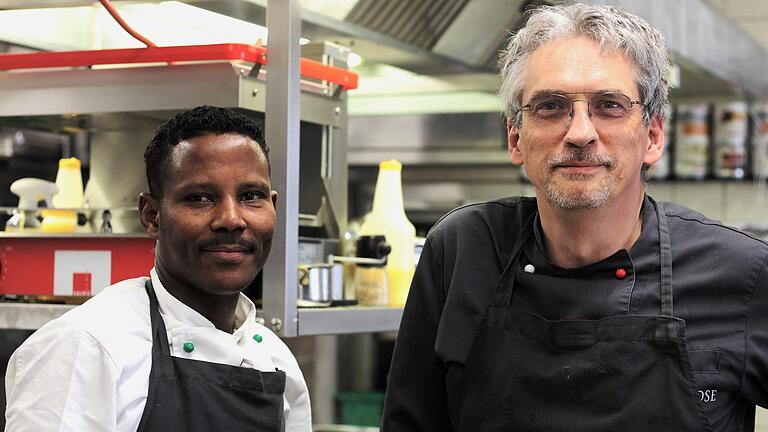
70, 197
388, 218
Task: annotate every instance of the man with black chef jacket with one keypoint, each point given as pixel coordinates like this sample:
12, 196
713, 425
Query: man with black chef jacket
179, 350
590, 307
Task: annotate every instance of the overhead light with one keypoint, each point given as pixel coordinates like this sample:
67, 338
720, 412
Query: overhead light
166, 23
674, 76
354, 60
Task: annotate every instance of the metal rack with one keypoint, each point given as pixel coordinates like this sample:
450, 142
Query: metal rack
123, 105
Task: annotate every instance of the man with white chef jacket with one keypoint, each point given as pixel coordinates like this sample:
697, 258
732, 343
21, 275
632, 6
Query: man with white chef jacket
179, 350
590, 307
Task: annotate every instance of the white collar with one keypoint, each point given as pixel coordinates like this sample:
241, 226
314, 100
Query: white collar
176, 314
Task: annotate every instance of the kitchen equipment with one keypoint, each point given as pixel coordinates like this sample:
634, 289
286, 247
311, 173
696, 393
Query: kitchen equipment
691, 141
30, 191
760, 141
69, 180
370, 282
322, 282
388, 218
731, 128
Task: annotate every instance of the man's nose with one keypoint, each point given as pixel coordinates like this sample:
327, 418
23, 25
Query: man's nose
228, 215
581, 130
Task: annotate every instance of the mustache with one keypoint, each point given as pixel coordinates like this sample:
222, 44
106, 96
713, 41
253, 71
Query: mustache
579, 155
223, 240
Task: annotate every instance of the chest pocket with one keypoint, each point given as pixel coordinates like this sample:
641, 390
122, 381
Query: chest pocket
705, 364
705, 361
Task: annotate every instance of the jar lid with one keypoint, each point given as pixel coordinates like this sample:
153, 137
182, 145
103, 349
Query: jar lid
372, 246
391, 165
71, 163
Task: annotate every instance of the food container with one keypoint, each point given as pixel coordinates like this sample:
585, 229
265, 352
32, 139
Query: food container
760, 141
691, 141
730, 153
321, 282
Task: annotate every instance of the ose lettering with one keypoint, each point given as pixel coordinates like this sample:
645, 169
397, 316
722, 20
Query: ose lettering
707, 396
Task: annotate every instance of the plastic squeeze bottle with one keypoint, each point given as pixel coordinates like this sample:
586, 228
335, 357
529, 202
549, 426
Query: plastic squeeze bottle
388, 218
69, 179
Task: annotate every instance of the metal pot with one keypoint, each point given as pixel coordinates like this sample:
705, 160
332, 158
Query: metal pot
321, 282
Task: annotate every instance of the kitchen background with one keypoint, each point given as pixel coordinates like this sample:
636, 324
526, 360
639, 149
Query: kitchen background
426, 96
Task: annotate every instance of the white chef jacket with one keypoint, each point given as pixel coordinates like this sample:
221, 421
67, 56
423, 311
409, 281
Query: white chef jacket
88, 370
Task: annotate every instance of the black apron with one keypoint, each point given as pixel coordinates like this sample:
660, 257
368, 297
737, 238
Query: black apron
190, 395
623, 373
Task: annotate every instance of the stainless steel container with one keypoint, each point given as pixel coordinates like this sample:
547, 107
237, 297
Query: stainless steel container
321, 282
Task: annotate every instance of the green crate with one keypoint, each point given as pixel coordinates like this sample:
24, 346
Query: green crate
361, 409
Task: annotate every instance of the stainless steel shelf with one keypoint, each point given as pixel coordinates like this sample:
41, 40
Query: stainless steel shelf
29, 316
352, 319
39, 234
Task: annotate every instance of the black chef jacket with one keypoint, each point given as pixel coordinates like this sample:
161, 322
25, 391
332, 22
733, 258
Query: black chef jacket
720, 290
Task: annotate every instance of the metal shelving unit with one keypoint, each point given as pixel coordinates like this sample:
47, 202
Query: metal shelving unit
311, 321
122, 106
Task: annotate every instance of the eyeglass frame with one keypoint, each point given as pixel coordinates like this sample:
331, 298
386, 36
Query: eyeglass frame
528, 106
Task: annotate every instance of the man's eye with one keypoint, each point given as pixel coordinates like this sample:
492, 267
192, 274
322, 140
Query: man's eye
253, 196
198, 198
608, 104
550, 106
550, 109
610, 107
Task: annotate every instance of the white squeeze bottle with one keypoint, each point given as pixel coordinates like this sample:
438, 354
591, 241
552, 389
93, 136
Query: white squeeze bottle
388, 218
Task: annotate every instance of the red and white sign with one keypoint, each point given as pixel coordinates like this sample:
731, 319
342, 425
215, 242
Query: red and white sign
71, 265
81, 273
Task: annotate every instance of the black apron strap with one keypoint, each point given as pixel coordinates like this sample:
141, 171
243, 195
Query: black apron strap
503, 295
161, 348
665, 261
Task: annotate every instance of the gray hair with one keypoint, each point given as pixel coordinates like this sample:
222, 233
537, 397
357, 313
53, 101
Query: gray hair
615, 31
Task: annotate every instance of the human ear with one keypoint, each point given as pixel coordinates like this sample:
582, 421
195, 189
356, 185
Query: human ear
149, 214
513, 143
656, 144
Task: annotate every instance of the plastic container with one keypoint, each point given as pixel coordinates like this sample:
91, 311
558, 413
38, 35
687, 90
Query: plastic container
30, 191
760, 141
370, 281
691, 141
69, 180
361, 409
388, 218
731, 127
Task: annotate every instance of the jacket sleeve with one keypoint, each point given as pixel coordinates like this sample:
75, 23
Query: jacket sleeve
416, 398
755, 381
61, 380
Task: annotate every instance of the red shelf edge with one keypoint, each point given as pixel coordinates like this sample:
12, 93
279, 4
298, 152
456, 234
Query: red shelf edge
308, 68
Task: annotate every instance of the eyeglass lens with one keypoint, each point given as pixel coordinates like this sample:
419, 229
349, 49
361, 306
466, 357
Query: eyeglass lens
602, 106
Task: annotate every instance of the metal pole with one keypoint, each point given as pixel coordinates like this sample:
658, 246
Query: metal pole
282, 135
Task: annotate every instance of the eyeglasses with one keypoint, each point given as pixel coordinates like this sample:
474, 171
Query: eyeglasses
604, 108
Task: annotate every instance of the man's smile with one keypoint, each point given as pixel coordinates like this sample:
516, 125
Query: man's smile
229, 253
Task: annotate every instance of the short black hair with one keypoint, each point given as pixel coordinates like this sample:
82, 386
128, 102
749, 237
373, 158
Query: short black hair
199, 121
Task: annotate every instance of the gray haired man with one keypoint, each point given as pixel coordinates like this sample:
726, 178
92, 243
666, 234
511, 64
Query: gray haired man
590, 307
